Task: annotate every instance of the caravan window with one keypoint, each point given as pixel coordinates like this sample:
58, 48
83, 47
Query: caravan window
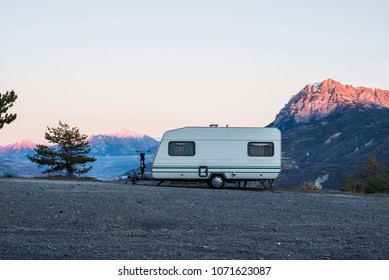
260, 149
182, 148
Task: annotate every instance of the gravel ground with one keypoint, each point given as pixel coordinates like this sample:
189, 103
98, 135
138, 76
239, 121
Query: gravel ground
46, 219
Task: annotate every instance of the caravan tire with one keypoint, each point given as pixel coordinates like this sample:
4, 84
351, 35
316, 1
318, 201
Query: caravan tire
217, 181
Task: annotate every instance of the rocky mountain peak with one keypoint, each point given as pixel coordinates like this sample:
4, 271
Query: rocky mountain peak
319, 100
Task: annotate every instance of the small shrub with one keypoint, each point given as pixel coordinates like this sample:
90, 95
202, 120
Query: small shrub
351, 184
375, 176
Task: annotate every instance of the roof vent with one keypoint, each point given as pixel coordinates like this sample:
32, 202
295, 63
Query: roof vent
213, 125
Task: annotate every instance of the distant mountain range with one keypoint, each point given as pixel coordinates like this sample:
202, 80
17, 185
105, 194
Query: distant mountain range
116, 154
329, 129
124, 143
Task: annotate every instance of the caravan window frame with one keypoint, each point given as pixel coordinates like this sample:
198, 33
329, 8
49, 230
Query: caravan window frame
258, 153
174, 153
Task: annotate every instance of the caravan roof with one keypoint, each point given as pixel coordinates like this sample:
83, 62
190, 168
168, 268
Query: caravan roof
223, 133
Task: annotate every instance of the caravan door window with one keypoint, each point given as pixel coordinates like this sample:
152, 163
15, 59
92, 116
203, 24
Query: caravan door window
260, 149
182, 148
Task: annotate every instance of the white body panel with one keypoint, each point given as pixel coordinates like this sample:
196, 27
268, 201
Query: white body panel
219, 150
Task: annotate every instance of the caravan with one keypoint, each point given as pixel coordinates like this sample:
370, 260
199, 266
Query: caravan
219, 154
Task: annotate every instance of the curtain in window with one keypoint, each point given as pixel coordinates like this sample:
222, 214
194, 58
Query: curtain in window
181, 148
256, 149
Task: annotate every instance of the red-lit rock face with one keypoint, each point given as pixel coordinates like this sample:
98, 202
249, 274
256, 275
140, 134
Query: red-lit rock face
319, 100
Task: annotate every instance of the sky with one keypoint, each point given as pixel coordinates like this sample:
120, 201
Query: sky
150, 66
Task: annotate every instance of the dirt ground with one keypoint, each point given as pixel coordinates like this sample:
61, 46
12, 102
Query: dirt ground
47, 219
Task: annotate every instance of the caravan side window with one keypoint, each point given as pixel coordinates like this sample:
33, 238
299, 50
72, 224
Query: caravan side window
260, 149
182, 148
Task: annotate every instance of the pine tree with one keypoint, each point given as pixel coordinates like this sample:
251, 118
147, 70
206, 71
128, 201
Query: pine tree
6, 102
375, 176
68, 152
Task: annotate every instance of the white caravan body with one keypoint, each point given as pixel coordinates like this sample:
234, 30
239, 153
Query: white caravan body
232, 153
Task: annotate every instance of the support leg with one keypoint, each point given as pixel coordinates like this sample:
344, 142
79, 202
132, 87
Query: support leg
271, 181
262, 181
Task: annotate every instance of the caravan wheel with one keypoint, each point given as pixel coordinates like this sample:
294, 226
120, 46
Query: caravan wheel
217, 181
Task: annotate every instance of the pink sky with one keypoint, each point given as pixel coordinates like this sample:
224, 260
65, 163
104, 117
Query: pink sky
150, 66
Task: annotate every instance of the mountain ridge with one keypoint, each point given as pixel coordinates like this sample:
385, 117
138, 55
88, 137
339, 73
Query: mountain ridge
318, 100
124, 133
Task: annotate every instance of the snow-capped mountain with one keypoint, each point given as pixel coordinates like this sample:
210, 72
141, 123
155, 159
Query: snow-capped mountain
123, 143
13, 159
23, 144
124, 133
117, 153
17, 150
329, 129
